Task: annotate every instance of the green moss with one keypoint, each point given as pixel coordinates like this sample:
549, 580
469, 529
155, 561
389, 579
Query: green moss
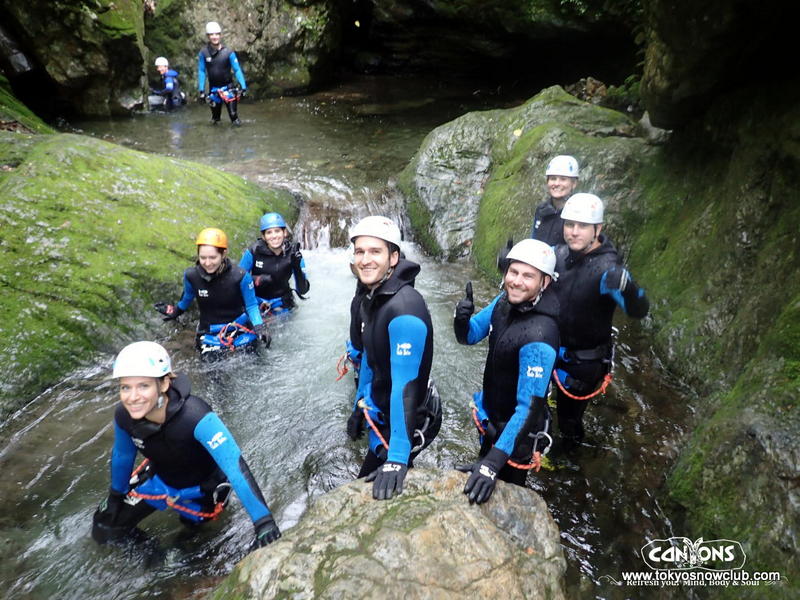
14, 111
99, 241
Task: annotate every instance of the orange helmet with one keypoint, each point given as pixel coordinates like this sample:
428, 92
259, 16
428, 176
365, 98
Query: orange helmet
212, 237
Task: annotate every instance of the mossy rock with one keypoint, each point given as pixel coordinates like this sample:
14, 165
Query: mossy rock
15, 116
92, 234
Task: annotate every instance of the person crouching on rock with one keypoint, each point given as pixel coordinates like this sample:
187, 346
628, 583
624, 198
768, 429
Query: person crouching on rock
223, 290
191, 461
394, 396
511, 411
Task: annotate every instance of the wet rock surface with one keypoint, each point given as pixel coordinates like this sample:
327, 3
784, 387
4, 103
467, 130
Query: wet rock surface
427, 543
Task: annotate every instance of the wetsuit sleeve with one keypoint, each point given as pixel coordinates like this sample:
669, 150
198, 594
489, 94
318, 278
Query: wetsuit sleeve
189, 294
407, 337
123, 455
631, 298
249, 296
237, 70
364, 381
201, 73
536, 361
212, 434
247, 260
479, 323
301, 283
169, 84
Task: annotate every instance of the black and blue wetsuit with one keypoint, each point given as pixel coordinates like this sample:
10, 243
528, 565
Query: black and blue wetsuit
222, 296
523, 342
548, 226
193, 459
587, 311
273, 272
216, 65
170, 90
397, 338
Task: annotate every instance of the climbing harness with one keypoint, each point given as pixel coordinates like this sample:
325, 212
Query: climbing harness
228, 334
536, 456
600, 390
172, 501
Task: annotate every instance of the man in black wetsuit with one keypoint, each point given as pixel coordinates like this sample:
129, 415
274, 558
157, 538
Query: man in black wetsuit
562, 178
511, 411
592, 283
397, 339
215, 61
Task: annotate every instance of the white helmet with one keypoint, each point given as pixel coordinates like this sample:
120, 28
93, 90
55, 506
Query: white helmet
583, 208
382, 228
536, 254
562, 165
142, 359
162, 62
213, 27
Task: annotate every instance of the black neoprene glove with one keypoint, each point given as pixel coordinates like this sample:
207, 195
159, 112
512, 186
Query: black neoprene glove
295, 255
170, 311
462, 315
355, 424
483, 475
266, 531
263, 334
388, 479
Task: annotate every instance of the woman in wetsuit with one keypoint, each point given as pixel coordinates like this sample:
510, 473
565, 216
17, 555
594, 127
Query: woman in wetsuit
193, 461
273, 261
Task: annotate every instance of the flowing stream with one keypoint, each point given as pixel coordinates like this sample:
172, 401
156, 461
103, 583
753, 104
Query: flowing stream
336, 151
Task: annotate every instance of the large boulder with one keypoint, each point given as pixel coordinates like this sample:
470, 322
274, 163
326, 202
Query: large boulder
476, 181
428, 542
90, 239
92, 51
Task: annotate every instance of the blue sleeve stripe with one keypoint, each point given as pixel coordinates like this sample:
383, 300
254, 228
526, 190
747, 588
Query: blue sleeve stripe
536, 362
212, 434
188, 294
123, 455
247, 261
201, 73
237, 70
364, 380
249, 296
407, 336
479, 324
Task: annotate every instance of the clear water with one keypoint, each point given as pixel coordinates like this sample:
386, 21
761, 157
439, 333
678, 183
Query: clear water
336, 149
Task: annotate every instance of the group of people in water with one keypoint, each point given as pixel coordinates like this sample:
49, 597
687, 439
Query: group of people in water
218, 66
550, 326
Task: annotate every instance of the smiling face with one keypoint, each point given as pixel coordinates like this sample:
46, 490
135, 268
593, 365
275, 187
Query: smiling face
214, 38
210, 258
139, 395
274, 236
162, 69
523, 282
560, 188
373, 259
581, 237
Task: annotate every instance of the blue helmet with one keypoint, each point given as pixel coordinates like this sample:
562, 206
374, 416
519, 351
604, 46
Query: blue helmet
270, 220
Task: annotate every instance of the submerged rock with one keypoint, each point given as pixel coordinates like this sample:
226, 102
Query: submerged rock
427, 543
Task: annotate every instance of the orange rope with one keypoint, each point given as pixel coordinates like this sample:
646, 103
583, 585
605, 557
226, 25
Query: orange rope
374, 427
170, 502
600, 390
341, 366
536, 459
227, 340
